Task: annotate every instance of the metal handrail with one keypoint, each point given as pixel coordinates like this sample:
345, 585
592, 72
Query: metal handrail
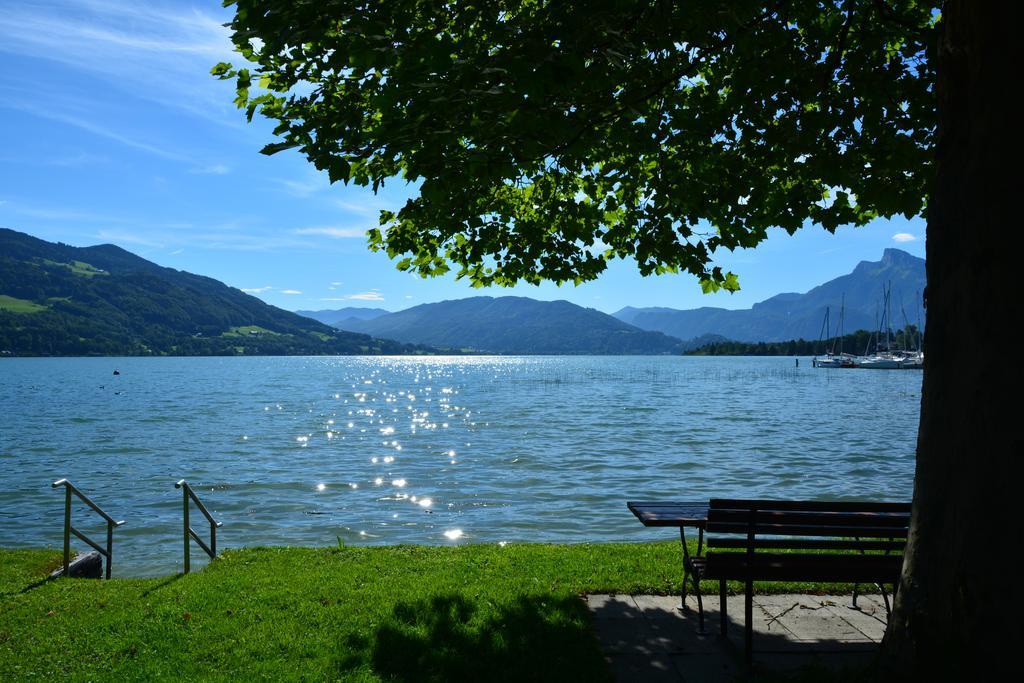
70, 488
189, 532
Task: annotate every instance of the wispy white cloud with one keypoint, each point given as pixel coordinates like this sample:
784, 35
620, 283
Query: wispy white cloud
335, 232
212, 169
290, 291
152, 50
903, 237
62, 115
312, 183
230, 236
59, 213
129, 238
369, 207
372, 295
76, 160
256, 290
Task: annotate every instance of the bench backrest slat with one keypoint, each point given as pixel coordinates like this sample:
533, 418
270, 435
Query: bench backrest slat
811, 544
777, 517
808, 525
808, 505
807, 530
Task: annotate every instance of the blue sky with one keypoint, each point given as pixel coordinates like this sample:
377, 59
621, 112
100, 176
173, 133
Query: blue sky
112, 131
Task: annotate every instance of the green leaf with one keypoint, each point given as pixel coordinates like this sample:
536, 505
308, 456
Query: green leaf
547, 131
275, 147
339, 170
223, 71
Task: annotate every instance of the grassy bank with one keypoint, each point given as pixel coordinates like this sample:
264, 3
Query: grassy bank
477, 612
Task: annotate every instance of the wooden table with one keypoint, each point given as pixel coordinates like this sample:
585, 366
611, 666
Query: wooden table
680, 514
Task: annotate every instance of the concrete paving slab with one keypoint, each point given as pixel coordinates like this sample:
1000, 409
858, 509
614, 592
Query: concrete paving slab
643, 668
872, 603
681, 636
628, 637
710, 668
810, 619
766, 626
662, 606
870, 623
613, 606
831, 661
646, 638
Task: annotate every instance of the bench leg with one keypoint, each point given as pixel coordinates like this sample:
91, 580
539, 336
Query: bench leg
700, 612
721, 610
748, 615
686, 568
885, 598
693, 576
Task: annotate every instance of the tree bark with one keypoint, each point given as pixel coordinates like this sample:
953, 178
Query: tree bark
959, 609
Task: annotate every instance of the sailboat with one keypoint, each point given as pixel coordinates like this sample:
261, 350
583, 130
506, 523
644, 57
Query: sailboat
887, 358
831, 359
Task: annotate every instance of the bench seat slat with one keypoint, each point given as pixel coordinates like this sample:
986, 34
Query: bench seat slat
809, 544
866, 519
809, 505
802, 567
808, 530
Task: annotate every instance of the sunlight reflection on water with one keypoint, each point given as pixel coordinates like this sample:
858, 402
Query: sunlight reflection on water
434, 450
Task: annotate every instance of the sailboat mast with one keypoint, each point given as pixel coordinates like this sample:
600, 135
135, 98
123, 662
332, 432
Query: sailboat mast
822, 339
842, 316
888, 317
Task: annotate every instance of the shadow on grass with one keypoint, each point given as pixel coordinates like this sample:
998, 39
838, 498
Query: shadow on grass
451, 638
162, 584
28, 587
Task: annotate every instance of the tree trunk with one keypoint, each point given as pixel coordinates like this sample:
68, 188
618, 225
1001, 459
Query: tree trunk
959, 609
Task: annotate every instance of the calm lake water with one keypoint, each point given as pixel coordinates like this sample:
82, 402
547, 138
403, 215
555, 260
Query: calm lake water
307, 451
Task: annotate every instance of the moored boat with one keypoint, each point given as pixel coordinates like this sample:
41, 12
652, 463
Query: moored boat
893, 360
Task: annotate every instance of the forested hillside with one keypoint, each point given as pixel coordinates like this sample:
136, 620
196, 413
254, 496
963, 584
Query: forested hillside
58, 300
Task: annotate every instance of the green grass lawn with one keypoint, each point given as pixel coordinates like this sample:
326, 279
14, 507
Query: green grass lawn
247, 330
425, 613
78, 267
9, 303
475, 612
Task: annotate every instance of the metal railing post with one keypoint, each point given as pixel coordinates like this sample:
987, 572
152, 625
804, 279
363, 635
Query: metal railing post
188, 527
110, 547
69, 529
188, 532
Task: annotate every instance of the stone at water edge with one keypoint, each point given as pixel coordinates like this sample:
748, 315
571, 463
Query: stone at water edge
88, 566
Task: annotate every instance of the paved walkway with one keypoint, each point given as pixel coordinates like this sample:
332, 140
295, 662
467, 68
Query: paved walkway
647, 638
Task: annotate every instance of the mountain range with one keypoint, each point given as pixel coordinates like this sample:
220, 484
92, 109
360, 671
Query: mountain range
57, 299
340, 317
516, 325
521, 325
800, 316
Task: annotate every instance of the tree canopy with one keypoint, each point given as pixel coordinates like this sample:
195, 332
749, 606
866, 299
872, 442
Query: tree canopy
543, 139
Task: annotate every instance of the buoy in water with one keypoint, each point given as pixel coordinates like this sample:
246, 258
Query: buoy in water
117, 372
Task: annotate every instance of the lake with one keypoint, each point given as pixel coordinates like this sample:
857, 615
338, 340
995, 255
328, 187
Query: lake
370, 450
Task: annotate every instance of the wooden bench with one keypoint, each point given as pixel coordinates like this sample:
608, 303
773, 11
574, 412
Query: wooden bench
786, 540
682, 514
